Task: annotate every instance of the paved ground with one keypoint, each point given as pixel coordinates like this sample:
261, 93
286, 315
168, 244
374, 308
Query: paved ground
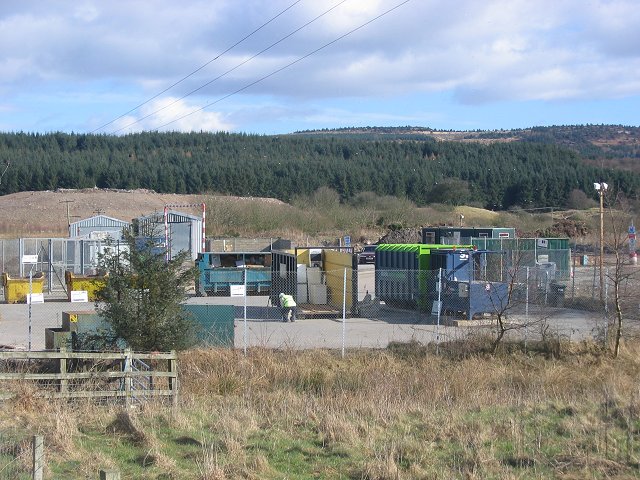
263, 328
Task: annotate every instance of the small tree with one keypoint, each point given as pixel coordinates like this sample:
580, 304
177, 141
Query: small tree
506, 290
622, 274
142, 296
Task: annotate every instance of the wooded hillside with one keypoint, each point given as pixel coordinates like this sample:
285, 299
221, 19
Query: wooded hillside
496, 175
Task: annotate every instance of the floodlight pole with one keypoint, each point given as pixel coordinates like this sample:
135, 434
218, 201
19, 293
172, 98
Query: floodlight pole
601, 188
601, 243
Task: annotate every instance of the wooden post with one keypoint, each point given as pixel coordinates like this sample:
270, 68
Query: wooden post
38, 457
63, 369
127, 377
173, 379
109, 475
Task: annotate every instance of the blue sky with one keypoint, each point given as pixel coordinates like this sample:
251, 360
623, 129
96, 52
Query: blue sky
78, 65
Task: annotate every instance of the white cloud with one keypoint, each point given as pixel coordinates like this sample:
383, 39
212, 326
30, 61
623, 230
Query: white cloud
171, 114
475, 52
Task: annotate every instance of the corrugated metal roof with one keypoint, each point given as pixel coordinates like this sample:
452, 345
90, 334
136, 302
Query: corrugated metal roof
101, 221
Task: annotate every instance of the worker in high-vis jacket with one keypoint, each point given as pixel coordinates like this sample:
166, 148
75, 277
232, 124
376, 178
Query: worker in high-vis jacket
288, 307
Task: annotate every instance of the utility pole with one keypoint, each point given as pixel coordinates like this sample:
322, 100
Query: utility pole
68, 216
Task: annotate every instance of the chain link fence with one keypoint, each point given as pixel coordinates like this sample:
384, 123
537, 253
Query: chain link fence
365, 307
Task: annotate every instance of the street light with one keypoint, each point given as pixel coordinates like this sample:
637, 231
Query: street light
601, 188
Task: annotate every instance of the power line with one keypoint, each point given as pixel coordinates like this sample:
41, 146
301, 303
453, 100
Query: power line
285, 66
200, 67
231, 69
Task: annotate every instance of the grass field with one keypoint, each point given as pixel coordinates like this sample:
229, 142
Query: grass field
562, 412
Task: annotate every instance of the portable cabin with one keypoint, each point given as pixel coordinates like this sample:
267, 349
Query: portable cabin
463, 235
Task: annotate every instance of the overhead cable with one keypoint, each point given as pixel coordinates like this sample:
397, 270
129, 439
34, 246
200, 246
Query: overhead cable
230, 70
235, 92
200, 67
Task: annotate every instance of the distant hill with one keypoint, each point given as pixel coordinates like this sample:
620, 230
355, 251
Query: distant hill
530, 168
608, 146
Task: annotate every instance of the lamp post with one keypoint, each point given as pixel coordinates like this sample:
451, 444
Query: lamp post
601, 188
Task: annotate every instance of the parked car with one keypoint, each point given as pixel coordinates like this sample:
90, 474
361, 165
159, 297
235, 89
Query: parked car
368, 254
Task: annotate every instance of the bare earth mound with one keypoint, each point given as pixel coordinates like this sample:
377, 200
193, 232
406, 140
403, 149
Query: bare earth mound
44, 214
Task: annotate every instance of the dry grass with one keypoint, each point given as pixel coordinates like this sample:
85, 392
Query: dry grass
317, 217
387, 414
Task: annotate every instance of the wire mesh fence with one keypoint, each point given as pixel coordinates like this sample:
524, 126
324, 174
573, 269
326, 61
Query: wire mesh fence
16, 456
365, 307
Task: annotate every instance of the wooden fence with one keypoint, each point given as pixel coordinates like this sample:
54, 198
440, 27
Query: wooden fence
120, 375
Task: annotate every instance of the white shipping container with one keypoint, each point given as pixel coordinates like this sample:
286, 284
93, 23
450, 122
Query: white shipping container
318, 294
314, 276
302, 293
302, 273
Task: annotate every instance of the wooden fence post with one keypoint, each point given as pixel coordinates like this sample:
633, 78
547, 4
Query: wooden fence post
173, 380
63, 369
127, 378
38, 456
109, 475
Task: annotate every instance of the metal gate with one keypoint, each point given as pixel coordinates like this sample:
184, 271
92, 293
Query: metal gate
55, 257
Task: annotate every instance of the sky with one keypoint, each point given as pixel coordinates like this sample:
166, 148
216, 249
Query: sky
279, 66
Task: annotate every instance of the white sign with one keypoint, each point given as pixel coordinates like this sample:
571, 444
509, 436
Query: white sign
237, 291
79, 296
543, 243
347, 241
35, 298
29, 258
435, 308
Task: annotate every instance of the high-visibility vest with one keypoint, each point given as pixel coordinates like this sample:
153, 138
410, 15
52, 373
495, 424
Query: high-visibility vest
288, 301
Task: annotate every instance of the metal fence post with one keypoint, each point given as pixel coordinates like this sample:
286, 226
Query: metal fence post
344, 312
50, 264
30, 301
439, 309
606, 292
573, 279
546, 288
244, 335
526, 304
526, 312
38, 457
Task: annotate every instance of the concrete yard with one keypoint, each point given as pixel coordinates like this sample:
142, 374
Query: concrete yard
377, 326
264, 329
